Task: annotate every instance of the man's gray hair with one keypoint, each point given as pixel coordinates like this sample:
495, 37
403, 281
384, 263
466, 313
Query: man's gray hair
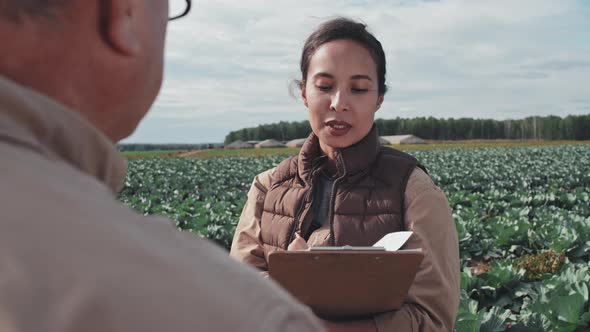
15, 10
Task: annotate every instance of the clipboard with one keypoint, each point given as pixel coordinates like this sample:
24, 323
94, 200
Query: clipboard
347, 284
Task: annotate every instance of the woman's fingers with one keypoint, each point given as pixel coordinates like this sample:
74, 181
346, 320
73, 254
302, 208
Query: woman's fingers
298, 243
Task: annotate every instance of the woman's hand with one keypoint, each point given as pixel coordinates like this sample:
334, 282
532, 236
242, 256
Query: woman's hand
298, 243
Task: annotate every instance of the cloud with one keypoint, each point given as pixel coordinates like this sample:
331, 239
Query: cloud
527, 75
230, 62
562, 64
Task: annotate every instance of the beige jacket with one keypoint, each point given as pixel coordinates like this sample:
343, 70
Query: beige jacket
433, 299
72, 258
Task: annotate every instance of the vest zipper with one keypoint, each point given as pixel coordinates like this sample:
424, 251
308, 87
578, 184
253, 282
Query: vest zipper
333, 199
296, 219
302, 207
305, 222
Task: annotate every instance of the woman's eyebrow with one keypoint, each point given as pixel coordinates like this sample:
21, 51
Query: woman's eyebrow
353, 77
361, 77
323, 74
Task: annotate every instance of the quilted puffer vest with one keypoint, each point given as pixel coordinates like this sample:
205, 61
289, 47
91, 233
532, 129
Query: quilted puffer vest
366, 200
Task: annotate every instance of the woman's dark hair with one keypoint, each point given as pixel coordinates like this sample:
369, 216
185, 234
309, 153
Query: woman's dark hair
344, 28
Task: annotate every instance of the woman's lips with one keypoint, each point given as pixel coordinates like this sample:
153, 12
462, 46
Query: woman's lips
338, 128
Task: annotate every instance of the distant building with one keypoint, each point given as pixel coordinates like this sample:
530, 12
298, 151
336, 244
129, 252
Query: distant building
239, 145
296, 143
269, 143
383, 141
403, 139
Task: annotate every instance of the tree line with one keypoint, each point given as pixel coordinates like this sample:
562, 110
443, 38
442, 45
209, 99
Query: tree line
572, 127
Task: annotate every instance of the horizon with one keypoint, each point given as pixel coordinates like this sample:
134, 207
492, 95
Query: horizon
268, 124
229, 63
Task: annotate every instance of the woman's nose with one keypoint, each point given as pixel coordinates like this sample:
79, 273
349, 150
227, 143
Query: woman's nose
339, 102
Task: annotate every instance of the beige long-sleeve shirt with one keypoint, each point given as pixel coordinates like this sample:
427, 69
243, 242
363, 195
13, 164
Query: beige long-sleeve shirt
72, 258
433, 298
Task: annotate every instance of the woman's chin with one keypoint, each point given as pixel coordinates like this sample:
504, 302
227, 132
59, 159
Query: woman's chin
340, 142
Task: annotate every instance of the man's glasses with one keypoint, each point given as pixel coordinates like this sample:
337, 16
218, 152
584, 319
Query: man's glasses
178, 9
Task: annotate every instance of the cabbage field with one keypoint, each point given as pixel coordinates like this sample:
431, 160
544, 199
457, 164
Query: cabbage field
522, 215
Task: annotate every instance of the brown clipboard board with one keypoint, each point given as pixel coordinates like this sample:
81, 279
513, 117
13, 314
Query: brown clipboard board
346, 284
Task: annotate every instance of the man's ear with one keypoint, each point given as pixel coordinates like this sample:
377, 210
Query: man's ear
120, 24
379, 102
303, 94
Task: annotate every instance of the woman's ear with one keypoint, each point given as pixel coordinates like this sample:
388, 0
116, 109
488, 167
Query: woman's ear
120, 24
303, 94
379, 102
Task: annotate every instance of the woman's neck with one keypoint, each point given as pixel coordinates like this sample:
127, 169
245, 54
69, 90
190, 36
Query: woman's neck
330, 152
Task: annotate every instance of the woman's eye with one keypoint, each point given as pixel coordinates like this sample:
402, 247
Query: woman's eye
324, 87
357, 90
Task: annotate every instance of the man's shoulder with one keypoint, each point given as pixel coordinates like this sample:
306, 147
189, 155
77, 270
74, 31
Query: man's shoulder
35, 170
69, 234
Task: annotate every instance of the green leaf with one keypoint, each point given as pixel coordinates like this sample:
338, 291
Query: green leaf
495, 320
468, 325
568, 308
532, 323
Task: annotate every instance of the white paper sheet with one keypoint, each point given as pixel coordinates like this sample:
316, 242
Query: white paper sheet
393, 241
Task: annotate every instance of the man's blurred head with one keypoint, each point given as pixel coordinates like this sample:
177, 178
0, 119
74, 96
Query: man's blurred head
103, 58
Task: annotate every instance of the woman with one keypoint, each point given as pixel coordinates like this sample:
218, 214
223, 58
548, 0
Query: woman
344, 188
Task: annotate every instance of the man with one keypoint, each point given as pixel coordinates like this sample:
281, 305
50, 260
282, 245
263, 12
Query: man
76, 76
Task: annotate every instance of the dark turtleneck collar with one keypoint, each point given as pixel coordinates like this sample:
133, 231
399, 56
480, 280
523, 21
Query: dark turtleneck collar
349, 161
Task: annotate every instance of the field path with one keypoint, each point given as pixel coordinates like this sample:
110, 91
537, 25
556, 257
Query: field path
192, 153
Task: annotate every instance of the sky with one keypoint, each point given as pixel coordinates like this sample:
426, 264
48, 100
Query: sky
230, 64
